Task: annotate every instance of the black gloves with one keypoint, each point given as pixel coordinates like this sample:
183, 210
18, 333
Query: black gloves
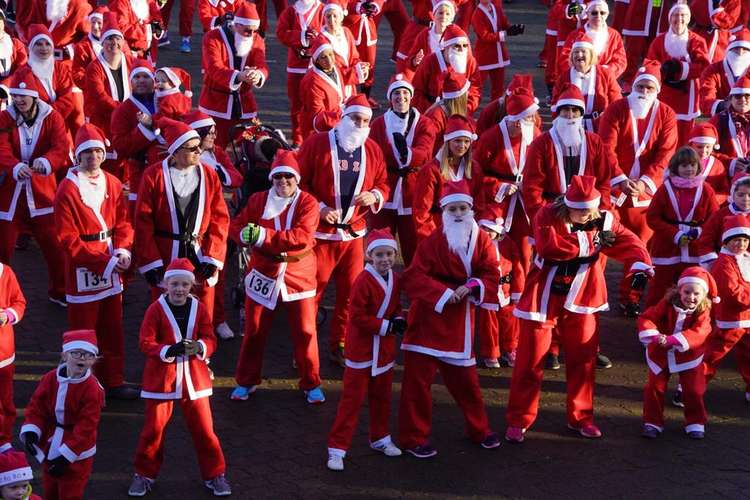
206, 270
670, 70
154, 276
175, 350
369, 8
639, 281
397, 326
400, 142
606, 238
58, 466
515, 29
30, 439
156, 29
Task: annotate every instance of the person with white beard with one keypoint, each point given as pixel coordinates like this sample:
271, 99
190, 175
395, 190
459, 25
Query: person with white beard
455, 270
719, 78
682, 55
640, 133
345, 171
455, 53
233, 64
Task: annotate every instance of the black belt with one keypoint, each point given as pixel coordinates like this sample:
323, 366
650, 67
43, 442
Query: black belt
183, 237
591, 116
404, 172
572, 262
503, 177
347, 228
100, 236
62, 54
690, 223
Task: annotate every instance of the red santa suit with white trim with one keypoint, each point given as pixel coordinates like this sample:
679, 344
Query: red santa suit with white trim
454, 270
714, 22
492, 29
644, 21
718, 79
211, 13
66, 21
96, 237
12, 57
282, 223
61, 421
565, 290
30, 155
455, 87
136, 18
704, 135
174, 102
175, 372
346, 172
233, 63
361, 21
733, 127
12, 308
85, 51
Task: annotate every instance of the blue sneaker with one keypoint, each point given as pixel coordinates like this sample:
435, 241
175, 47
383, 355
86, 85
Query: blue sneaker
185, 46
315, 396
241, 393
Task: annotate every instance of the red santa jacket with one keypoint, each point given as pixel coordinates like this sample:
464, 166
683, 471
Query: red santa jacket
426, 210
71, 28
363, 27
428, 82
645, 19
732, 275
136, 30
710, 240
183, 376
612, 56
347, 56
220, 73
222, 165
46, 140
644, 158
92, 239
64, 414
512, 274
209, 11
402, 177
282, 262
683, 100
557, 243
13, 303
436, 327
172, 103
291, 29
320, 166
717, 81
427, 41
544, 175
60, 95
374, 302
323, 99
156, 212
85, 52
491, 114
439, 119
602, 90
669, 223
690, 328
100, 97
489, 24
12, 56
730, 147
712, 24
715, 174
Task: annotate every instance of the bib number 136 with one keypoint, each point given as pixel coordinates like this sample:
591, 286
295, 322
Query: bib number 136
259, 285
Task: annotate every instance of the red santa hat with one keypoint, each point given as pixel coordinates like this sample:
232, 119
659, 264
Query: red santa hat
520, 80
196, 119
740, 39
176, 133
141, 66
582, 40
439, 3
247, 15
98, 13
90, 136
110, 26
180, 267
38, 32
680, 6
582, 193
704, 133
380, 238
284, 161
357, 104
24, 83
319, 44
696, 275
452, 35
335, 5
492, 219
521, 104
454, 84
735, 225
736, 179
651, 70
741, 86
14, 468
178, 76
455, 191
459, 126
570, 95
84, 340
399, 81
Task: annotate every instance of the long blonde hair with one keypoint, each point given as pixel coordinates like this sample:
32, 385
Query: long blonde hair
445, 166
457, 105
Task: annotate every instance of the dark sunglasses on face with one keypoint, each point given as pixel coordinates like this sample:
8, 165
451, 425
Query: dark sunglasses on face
282, 175
599, 13
194, 149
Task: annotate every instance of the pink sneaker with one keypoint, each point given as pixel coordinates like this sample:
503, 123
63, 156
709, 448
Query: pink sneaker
514, 434
589, 431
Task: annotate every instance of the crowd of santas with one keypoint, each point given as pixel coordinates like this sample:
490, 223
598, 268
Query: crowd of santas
104, 161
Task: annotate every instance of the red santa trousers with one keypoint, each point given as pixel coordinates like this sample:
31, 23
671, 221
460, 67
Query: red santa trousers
718, 345
344, 260
580, 339
104, 316
664, 278
359, 383
224, 131
395, 12
293, 81
635, 220
7, 406
197, 414
187, 9
368, 53
301, 315
693, 384
204, 293
635, 50
497, 81
401, 225
498, 332
415, 410
71, 485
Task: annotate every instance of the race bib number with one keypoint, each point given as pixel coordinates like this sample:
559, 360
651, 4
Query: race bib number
259, 285
89, 282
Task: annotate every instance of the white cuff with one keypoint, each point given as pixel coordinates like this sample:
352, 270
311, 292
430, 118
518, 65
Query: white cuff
148, 134
262, 80
649, 184
18, 167
642, 266
47, 165
379, 203
645, 336
163, 355
616, 180
677, 236
261, 237
233, 83
447, 294
210, 260
150, 266
123, 251
29, 428
684, 346
202, 355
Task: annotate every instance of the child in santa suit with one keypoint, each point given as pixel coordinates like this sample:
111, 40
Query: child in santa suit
15, 477
375, 319
177, 339
170, 100
498, 328
732, 274
703, 139
674, 332
710, 240
61, 420
12, 307
678, 211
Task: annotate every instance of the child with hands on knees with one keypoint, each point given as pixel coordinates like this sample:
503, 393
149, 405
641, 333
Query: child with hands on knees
15, 477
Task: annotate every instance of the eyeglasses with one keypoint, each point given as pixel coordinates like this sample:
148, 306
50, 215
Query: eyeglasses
194, 149
81, 355
598, 13
282, 175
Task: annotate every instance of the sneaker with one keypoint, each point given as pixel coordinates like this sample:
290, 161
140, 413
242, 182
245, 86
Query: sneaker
241, 393
388, 449
219, 485
123, 392
589, 431
541, 64
423, 451
603, 362
164, 40
650, 432
490, 363
224, 332
491, 441
630, 309
315, 396
696, 434
139, 486
677, 399
553, 362
59, 301
335, 462
508, 359
337, 357
514, 434
185, 45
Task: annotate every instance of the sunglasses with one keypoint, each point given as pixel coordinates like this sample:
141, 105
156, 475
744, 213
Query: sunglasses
598, 13
194, 149
282, 175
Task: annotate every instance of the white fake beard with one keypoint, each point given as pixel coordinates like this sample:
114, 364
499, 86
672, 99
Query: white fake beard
275, 204
349, 136
458, 60
57, 9
738, 64
243, 44
527, 132
640, 103
570, 130
43, 69
676, 45
184, 181
743, 262
457, 234
599, 37
93, 190
140, 9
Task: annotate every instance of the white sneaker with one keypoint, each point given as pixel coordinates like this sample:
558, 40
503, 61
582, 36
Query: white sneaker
224, 332
335, 462
388, 449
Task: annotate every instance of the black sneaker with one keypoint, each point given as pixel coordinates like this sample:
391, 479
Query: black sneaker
631, 309
123, 392
553, 362
423, 451
677, 399
492, 440
603, 362
696, 434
